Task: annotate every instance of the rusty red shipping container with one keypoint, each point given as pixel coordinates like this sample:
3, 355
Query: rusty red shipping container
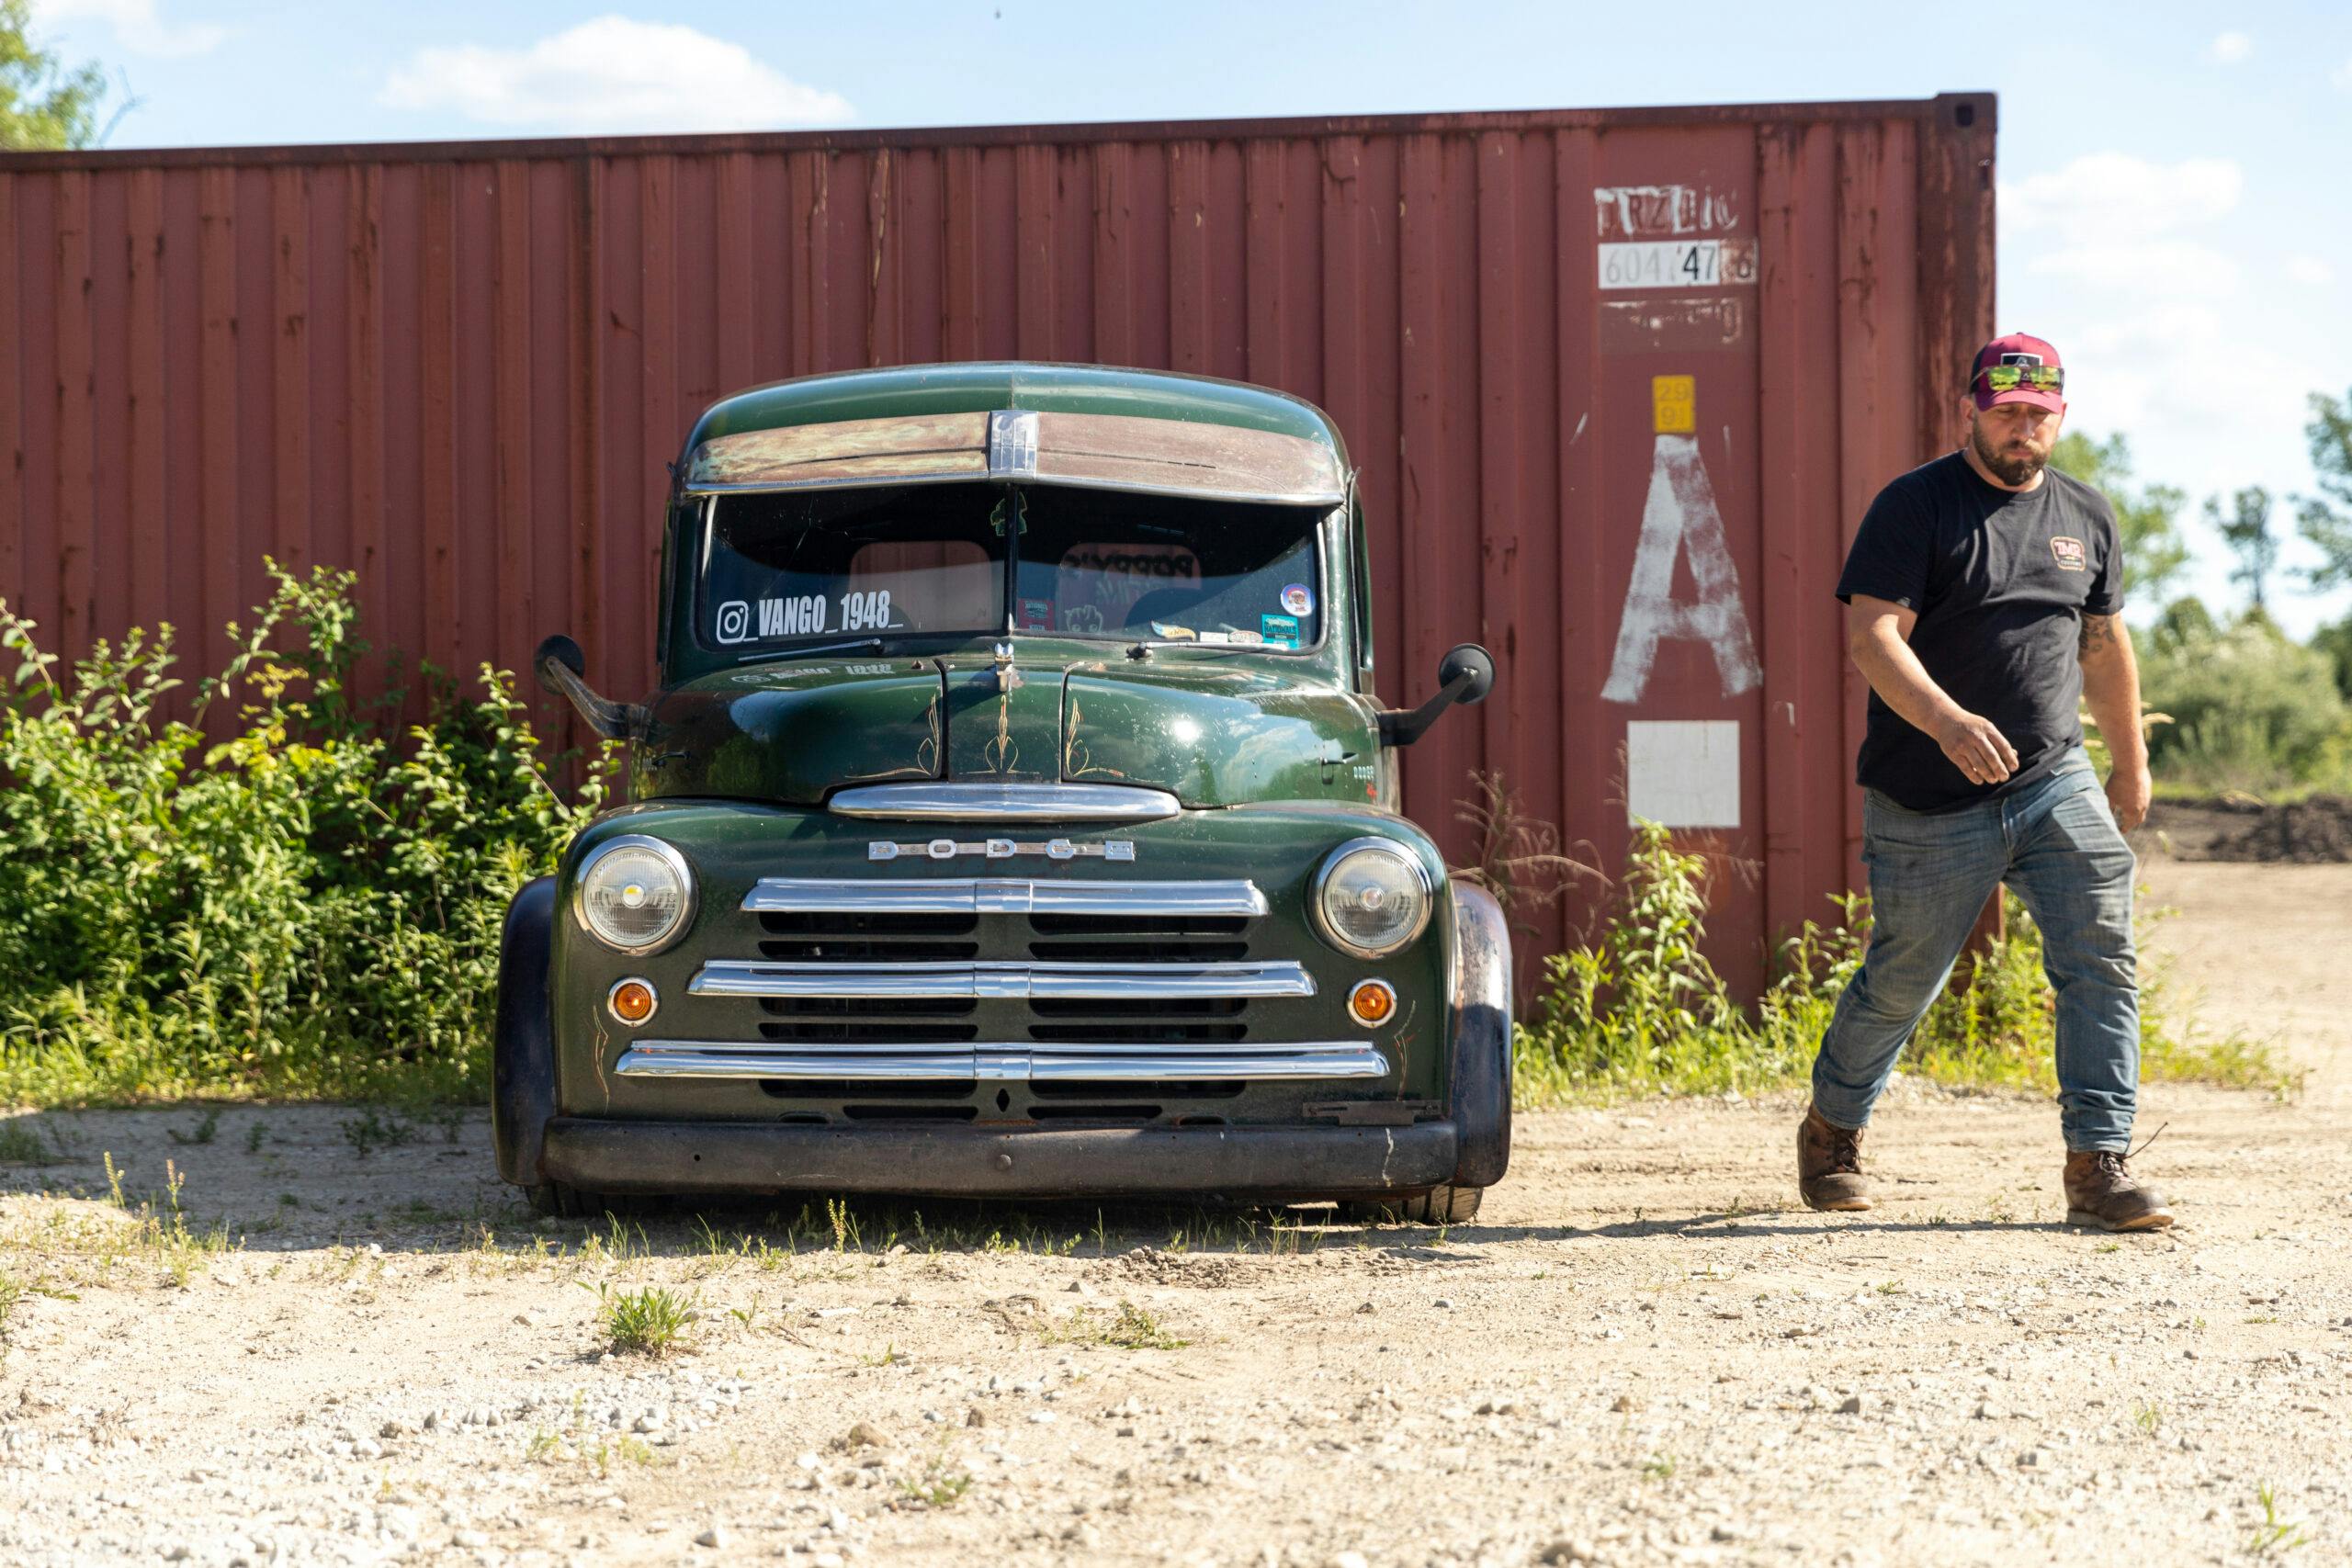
1619, 382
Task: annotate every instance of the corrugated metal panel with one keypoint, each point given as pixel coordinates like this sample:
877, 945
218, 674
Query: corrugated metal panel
461, 370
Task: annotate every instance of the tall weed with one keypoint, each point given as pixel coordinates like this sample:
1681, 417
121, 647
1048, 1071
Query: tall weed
1641, 1009
283, 894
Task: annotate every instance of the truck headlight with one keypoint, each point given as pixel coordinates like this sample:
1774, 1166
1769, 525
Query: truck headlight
1371, 898
635, 894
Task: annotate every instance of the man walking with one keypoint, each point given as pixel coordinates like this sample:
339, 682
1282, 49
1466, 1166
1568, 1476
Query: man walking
1984, 594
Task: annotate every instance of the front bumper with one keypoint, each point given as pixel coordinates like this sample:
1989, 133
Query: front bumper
1298, 1163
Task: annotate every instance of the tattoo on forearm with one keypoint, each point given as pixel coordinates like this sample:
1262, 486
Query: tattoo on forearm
2099, 632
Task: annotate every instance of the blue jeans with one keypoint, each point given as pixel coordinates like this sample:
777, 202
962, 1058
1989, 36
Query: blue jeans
2055, 843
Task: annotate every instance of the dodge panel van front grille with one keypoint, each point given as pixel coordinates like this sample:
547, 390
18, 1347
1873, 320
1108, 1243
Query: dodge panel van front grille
1120, 990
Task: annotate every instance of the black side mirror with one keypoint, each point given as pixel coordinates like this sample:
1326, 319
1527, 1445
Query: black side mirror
564, 651
562, 670
1465, 675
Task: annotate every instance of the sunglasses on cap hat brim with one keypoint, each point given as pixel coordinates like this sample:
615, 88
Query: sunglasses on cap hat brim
1999, 378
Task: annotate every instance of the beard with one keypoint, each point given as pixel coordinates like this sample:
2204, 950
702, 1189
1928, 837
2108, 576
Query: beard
2013, 468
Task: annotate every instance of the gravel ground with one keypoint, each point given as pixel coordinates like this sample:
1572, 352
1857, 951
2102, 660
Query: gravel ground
1642, 1353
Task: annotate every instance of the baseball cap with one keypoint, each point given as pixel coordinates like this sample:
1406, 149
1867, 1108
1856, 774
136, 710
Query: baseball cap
2040, 380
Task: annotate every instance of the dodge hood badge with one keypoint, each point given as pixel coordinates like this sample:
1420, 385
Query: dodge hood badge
1001, 849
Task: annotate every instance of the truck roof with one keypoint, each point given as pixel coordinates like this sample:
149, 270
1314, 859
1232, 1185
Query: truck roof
911, 391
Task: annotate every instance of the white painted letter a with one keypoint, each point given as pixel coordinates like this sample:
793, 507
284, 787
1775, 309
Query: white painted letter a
1680, 514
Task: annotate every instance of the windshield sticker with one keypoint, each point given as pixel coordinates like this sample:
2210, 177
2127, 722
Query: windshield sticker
1037, 614
1279, 631
1172, 633
804, 615
1108, 579
1082, 620
1297, 599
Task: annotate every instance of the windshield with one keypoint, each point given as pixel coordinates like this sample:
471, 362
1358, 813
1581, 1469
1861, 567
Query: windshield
795, 567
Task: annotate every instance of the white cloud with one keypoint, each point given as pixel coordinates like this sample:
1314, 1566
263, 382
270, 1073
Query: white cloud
2228, 49
612, 74
2107, 197
2147, 371
2145, 266
2136, 270
2312, 270
136, 25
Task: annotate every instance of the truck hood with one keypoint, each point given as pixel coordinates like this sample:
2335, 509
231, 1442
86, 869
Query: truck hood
1218, 734
791, 733
1211, 733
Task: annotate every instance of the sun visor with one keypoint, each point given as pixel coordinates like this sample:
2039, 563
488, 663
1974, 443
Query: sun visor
1090, 451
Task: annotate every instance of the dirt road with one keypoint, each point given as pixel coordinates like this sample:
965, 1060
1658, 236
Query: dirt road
1642, 1353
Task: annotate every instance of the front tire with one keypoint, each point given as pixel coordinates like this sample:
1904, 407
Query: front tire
562, 1200
523, 1048
1441, 1206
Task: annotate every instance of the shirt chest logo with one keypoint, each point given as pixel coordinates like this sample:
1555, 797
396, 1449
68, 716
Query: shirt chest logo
2069, 553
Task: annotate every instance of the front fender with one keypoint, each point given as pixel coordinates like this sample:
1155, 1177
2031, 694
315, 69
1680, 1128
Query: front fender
523, 1049
1480, 1019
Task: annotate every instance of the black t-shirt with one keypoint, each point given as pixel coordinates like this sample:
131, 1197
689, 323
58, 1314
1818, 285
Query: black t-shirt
2000, 581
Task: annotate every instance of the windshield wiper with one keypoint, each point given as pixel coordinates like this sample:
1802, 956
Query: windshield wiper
867, 644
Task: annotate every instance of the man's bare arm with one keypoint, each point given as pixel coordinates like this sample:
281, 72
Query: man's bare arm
2112, 691
1878, 636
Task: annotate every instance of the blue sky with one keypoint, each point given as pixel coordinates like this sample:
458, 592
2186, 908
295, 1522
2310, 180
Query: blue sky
2173, 199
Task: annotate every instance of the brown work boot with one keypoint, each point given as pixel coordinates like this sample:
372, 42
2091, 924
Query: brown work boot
1829, 1164
2100, 1191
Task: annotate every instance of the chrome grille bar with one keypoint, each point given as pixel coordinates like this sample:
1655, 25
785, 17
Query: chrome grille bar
1017, 981
725, 1059
1002, 896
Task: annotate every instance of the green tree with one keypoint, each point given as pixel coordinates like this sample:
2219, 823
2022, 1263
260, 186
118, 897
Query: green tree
2247, 530
2147, 520
44, 102
2185, 621
2326, 519
2335, 641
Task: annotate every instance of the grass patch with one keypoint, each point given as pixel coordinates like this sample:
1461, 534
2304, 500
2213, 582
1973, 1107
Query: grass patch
19, 1144
90, 1243
1129, 1329
1641, 1010
2273, 1534
203, 1132
374, 1130
648, 1321
938, 1487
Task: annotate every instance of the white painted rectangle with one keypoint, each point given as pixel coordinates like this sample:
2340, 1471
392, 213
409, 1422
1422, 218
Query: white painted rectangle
1682, 773
1662, 264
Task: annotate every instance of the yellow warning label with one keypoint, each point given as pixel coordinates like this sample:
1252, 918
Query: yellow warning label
1674, 404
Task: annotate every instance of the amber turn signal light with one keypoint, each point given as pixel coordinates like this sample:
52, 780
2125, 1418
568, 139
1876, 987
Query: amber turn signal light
1373, 1002
631, 1001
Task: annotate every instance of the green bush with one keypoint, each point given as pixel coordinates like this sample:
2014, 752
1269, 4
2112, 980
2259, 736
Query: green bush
2250, 707
1644, 1010
281, 896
